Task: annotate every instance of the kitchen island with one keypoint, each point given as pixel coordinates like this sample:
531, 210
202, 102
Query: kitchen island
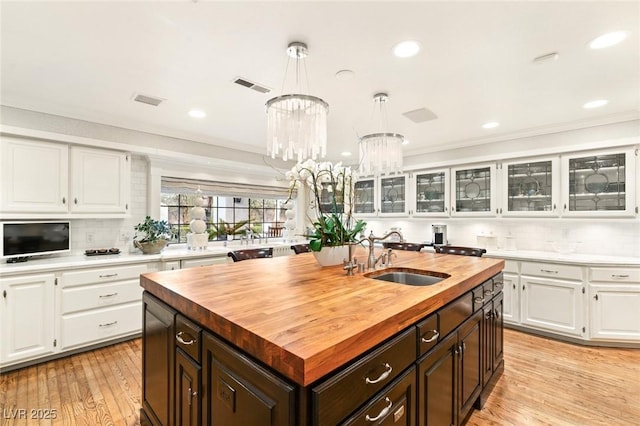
285, 341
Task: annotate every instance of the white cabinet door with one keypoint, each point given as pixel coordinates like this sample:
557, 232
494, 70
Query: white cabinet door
394, 195
599, 183
99, 181
27, 317
531, 187
615, 312
431, 193
473, 190
511, 302
554, 305
34, 176
366, 198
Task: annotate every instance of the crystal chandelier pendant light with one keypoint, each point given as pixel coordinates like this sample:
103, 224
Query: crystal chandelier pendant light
297, 123
381, 153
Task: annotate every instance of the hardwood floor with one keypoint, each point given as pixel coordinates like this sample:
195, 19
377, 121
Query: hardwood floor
545, 382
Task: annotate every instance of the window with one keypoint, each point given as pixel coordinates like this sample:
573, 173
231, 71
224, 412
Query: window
226, 214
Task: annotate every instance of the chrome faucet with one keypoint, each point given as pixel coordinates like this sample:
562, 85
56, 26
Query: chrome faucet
372, 261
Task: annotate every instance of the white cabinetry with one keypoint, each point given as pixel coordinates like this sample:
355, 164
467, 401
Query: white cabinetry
27, 317
531, 187
511, 292
473, 190
614, 303
384, 196
206, 261
552, 297
42, 179
100, 304
99, 181
431, 193
34, 176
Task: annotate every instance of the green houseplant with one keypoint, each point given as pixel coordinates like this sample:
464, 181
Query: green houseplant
331, 193
223, 229
151, 235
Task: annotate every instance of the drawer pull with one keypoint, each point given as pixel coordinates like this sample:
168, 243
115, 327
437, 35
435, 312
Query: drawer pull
103, 296
189, 342
488, 293
387, 371
382, 412
548, 271
479, 299
107, 276
619, 275
109, 324
436, 334
499, 285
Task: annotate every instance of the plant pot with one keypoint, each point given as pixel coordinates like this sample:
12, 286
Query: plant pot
150, 247
331, 256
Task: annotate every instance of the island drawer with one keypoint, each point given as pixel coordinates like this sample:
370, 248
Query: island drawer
482, 294
395, 405
336, 398
188, 337
455, 313
428, 333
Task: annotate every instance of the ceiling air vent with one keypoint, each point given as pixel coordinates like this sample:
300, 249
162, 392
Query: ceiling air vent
146, 99
251, 85
420, 115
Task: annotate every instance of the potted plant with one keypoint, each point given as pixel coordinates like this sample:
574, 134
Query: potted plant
222, 230
151, 235
331, 188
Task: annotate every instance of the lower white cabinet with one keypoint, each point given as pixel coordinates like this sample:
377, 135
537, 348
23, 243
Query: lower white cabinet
207, 261
27, 317
511, 292
614, 304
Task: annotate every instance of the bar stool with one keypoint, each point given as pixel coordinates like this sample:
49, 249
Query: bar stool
463, 251
300, 248
404, 246
239, 255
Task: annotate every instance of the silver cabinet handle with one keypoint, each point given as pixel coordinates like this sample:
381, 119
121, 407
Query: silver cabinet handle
382, 413
436, 334
192, 394
387, 371
488, 293
619, 275
479, 299
103, 296
499, 285
107, 275
189, 342
548, 271
108, 324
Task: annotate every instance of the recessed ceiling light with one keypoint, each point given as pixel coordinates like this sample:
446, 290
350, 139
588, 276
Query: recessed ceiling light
608, 39
595, 104
490, 125
406, 49
346, 154
197, 113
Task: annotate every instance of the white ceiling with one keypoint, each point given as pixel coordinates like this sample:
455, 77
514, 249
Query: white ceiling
86, 60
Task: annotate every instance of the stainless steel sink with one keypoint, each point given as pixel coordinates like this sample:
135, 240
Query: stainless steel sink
408, 276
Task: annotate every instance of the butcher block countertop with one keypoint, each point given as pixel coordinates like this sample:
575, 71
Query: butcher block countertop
304, 320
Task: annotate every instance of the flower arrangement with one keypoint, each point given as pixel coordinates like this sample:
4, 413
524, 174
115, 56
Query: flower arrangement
331, 188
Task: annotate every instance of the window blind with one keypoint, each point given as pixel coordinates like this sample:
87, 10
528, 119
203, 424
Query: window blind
222, 189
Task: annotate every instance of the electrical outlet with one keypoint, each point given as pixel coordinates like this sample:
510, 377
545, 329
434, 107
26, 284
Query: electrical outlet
90, 236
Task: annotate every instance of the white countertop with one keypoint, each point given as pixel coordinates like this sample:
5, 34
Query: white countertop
179, 251
171, 252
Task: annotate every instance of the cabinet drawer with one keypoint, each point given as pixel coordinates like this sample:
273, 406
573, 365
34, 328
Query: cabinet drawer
482, 294
428, 334
82, 298
98, 275
615, 275
335, 398
455, 313
511, 266
188, 337
91, 327
393, 406
207, 261
551, 270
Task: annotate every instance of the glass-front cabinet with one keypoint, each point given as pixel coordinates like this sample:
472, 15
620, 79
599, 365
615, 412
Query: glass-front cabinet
383, 196
474, 191
432, 193
531, 188
599, 183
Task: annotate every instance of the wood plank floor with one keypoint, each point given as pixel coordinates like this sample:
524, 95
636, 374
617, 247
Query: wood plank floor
545, 382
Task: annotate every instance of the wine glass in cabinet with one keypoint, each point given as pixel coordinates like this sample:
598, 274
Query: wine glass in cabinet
599, 184
432, 193
531, 188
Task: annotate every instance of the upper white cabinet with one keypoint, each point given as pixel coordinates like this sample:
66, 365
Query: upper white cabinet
34, 176
531, 187
431, 193
474, 190
48, 179
383, 196
599, 184
99, 181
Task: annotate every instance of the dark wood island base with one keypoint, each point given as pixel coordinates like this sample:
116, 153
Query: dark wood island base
318, 347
